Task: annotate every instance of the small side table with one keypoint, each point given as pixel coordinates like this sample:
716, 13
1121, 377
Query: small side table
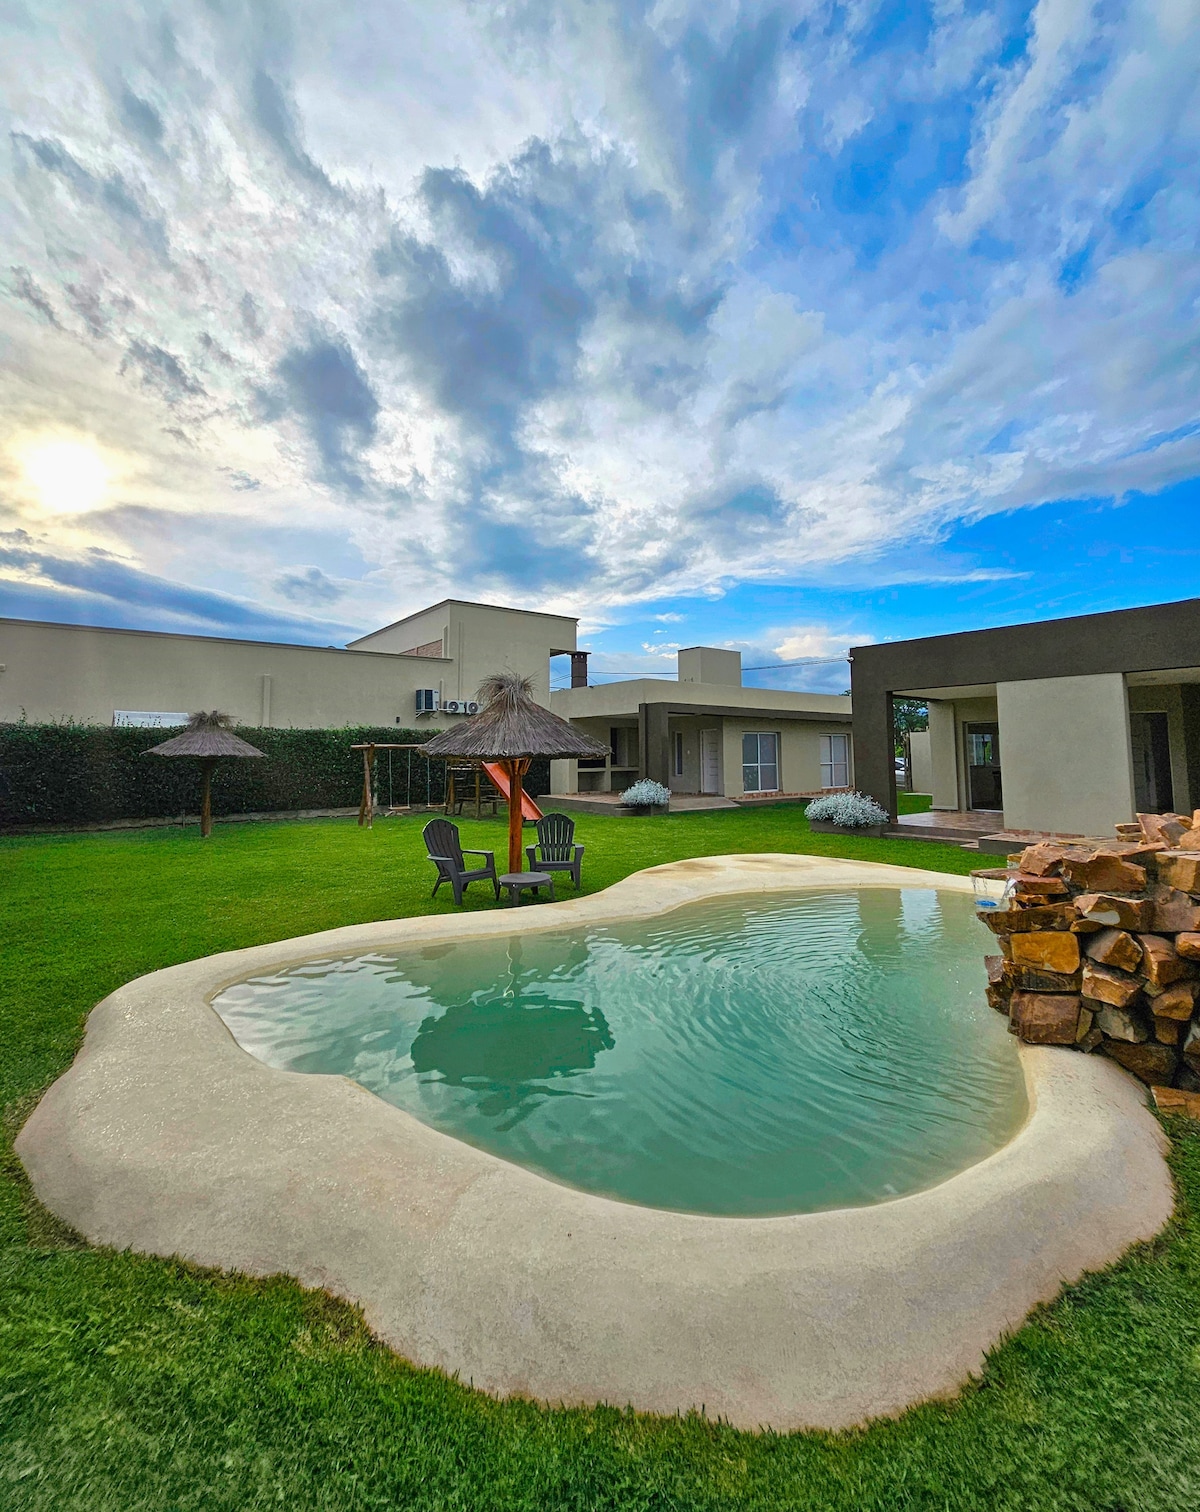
519, 882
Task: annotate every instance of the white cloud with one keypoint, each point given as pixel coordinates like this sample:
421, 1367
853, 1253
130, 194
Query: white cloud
816, 641
576, 307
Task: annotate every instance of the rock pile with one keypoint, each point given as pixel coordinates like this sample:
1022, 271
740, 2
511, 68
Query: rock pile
1100, 947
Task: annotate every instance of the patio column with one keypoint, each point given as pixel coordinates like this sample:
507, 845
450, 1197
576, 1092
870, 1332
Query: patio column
874, 739
654, 744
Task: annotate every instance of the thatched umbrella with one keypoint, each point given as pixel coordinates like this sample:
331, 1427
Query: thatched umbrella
511, 729
209, 738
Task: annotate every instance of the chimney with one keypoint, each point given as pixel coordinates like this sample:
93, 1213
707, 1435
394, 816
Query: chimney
579, 669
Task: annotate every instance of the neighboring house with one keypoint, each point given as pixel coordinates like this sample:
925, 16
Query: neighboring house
424, 668
706, 733
1069, 726
474, 640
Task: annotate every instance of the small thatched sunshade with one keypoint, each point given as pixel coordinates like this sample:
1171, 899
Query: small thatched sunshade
512, 729
208, 738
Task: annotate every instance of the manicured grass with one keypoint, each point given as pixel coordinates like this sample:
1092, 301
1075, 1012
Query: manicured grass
128, 1383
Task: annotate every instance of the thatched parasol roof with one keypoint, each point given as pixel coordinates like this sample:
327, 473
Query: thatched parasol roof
206, 735
510, 727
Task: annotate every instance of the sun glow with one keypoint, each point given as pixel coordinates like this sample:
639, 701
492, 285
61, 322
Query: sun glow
68, 476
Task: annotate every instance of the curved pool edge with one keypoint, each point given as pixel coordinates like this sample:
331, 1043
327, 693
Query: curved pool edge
167, 1138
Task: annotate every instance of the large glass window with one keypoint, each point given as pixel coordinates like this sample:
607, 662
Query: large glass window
760, 763
835, 761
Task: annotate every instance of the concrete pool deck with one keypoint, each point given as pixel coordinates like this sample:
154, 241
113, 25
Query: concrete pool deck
167, 1138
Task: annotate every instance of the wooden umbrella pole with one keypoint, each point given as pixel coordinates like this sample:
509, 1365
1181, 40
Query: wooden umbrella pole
513, 770
516, 771
206, 771
366, 809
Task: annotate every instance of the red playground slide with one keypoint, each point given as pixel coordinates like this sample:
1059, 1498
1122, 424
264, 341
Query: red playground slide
529, 809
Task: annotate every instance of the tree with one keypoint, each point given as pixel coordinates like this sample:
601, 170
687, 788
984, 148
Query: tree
908, 716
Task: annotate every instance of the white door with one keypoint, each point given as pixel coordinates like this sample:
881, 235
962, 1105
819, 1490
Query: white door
710, 761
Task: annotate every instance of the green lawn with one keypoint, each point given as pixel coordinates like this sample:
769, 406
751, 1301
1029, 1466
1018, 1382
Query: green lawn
128, 1383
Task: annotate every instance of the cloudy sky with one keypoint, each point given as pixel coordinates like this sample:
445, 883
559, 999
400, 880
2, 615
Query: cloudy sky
781, 326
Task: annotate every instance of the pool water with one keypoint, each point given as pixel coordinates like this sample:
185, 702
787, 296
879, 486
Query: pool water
780, 1054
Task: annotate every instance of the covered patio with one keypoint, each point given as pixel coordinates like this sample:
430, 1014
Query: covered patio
1067, 727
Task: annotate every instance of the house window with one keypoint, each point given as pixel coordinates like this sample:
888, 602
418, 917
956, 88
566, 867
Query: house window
678, 753
835, 761
760, 763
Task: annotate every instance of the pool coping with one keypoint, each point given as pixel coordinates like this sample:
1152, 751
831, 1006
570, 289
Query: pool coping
165, 1137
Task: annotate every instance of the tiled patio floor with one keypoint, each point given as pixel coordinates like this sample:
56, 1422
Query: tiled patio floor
948, 824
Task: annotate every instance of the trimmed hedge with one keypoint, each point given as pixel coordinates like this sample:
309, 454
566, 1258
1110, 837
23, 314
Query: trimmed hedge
69, 774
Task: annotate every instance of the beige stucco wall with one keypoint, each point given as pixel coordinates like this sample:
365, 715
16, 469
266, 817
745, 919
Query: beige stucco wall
710, 664
799, 752
61, 672
564, 777
943, 755
1167, 699
947, 774
432, 624
690, 729
1065, 755
480, 639
623, 698
972, 711
921, 756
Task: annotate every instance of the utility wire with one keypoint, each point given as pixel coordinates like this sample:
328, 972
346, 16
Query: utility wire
805, 661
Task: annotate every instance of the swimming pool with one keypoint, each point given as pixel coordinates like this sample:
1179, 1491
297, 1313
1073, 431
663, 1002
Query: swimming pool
784, 1053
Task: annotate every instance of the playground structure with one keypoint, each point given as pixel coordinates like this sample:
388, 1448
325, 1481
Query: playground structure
484, 782
457, 787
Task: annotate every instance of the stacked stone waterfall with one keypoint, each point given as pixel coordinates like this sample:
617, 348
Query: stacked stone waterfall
1100, 947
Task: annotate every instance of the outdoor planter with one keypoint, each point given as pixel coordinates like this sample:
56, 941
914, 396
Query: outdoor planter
847, 814
646, 797
826, 827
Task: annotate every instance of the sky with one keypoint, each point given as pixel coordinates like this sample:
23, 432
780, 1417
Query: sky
787, 327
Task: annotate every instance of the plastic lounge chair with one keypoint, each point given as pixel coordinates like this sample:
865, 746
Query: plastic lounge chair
556, 849
446, 853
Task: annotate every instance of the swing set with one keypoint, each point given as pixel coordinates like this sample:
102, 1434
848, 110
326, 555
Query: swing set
465, 781
366, 808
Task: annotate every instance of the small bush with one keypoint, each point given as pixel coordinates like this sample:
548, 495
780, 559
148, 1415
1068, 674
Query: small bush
646, 792
854, 810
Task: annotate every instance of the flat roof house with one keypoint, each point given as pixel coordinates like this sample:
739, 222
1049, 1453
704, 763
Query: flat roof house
1068, 726
703, 734
706, 734
429, 663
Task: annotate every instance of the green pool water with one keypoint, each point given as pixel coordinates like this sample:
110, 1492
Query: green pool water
779, 1054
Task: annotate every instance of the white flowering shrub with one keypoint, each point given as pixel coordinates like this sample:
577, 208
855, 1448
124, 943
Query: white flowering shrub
854, 810
646, 792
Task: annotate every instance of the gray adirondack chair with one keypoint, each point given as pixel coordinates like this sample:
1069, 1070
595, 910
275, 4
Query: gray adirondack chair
446, 853
556, 850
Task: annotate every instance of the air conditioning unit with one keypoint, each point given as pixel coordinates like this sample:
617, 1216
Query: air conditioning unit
471, 708
427, 700
452, 706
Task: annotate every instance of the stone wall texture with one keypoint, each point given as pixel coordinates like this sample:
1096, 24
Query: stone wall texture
1100, 947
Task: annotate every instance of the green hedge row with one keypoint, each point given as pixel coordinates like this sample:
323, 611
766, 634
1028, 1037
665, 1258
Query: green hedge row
87, 774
